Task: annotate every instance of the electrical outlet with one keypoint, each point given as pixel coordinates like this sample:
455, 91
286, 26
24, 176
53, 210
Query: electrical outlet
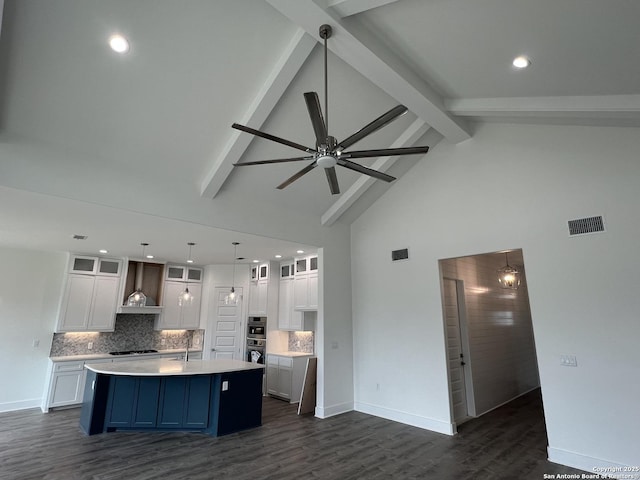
36, 343
225, 385
377, 386
162, 341
90, 346
568, 361
196, 340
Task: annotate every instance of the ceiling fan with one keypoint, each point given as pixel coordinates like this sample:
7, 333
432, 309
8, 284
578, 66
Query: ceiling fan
328, 151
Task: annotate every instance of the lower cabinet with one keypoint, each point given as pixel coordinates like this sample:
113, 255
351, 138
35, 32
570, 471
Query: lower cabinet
66, 379
285, 376
180, 402
66, 386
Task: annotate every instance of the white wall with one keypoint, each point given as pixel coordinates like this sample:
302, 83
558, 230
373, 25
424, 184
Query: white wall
30, 290
512, 186
501, 355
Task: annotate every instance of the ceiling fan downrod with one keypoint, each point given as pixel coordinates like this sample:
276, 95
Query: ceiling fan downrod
325, 33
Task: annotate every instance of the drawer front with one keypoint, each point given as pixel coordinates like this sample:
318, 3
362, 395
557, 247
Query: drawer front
68, 366
286, 362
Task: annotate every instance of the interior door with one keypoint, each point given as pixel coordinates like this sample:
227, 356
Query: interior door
227, 336
455, 352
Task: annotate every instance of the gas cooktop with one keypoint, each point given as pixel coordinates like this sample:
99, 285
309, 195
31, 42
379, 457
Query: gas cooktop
133, 352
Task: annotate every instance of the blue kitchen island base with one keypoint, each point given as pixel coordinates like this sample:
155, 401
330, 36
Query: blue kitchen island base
212, 403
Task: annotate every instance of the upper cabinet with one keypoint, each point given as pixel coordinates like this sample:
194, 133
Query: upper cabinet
91, 294
259, 290
305, 289
298, 294
180, 317
95, 266
183, 273
185, 316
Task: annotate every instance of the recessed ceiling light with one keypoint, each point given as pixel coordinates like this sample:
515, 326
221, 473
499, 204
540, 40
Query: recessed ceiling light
278, 256
103, 251
300, 251
118, 43
521, 62
149, 256
189, 261
256, 261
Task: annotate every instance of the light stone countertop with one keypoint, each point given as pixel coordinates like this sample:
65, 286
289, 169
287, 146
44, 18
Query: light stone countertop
103, 356
166, 367
291, 354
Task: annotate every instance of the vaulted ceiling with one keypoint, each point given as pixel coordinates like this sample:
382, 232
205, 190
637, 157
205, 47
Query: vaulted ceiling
92, 138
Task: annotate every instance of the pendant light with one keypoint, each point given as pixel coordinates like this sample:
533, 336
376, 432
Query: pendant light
137, 298
232, 297
186, 297
508, 276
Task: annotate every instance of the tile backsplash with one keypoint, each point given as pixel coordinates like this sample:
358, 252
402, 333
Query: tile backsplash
301, 342
132, 332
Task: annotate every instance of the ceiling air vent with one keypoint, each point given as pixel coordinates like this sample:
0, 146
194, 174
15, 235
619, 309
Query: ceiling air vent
402, 254
582, 226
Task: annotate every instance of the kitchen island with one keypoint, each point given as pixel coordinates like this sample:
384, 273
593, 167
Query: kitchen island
215, 397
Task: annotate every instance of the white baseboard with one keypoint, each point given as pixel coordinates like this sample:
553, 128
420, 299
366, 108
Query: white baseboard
591, 465
21, 405
407, 418
326, 412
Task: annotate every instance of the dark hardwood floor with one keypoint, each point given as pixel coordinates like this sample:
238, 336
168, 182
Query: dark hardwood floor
508, 443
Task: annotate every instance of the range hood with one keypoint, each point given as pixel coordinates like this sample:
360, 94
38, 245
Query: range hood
137, 302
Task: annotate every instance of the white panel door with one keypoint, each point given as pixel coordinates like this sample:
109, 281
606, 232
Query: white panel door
227, 335
455, 353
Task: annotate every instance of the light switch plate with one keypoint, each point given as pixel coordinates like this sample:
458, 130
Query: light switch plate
225, 385
568, 361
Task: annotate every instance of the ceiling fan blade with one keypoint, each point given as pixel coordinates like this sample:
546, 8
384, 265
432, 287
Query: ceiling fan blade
385, 152
365, 170
315, 113
277, 160
295, 177
332, 178
273, 138
377, 124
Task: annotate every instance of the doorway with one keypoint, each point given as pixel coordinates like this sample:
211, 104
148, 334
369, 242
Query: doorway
491, 327
225, 337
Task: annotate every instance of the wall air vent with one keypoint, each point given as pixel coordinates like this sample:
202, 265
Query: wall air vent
80, 237
402, 254
582, 226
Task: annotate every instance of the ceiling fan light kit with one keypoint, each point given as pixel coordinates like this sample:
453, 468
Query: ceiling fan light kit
328, 152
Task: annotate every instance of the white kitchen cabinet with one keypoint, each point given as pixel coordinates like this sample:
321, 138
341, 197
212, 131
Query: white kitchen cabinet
183, 273
285, 376
89, 304
174, 316
95, 265
305, 290
66, 386
259, 290
66, 379
288, 317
